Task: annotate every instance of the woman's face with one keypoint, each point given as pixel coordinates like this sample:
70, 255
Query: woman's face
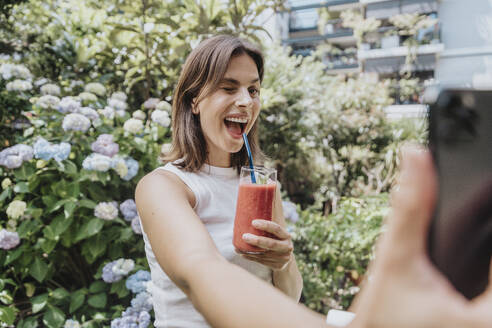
230, 110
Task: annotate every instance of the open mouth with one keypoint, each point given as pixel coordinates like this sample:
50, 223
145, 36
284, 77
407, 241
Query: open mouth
236, 125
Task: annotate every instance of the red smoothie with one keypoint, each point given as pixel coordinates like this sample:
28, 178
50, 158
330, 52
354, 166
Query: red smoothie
254, 201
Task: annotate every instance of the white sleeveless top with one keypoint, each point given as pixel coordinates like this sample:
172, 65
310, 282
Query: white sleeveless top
215, 191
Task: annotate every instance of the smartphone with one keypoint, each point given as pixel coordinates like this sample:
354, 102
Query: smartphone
460, 140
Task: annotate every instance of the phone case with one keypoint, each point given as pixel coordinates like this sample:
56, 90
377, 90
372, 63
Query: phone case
460, 139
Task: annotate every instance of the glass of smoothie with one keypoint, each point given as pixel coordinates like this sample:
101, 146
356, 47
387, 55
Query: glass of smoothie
254, 201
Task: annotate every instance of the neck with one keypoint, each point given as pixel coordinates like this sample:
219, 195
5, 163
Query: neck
219, 160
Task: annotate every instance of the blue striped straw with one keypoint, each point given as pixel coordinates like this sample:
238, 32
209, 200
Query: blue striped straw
246, 143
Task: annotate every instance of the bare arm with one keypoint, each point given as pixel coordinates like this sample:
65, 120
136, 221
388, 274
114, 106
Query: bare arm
288, 280
225, 294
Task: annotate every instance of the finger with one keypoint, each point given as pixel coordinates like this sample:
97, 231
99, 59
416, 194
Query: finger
413, 201
270, 255
280, 246
271, 227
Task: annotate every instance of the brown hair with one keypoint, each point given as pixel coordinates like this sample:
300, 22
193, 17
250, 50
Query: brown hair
202, 72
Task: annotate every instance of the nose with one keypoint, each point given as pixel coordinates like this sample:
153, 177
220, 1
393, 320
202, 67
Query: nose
244, 98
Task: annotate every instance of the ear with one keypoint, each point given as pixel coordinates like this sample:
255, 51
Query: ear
194, 107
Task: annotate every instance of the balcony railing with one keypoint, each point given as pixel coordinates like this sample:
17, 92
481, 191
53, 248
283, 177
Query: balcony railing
308, 4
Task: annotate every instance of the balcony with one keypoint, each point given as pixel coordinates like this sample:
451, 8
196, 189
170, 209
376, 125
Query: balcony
385, 50
341, 61
334, 33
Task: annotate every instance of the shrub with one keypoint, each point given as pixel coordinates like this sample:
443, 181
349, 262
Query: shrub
70, 234
333, 251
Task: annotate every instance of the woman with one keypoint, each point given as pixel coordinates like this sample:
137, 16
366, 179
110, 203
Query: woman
187, 207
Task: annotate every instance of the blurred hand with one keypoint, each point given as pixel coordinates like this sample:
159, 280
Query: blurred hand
404, 289
278, 250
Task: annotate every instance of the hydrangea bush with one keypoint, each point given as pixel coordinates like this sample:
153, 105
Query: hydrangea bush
71, 252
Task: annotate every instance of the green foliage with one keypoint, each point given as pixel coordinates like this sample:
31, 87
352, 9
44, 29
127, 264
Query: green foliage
333, 251
54, 273
139, 45
328, 136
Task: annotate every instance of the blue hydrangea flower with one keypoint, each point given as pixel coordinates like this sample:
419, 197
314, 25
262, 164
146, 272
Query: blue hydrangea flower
132, 168
105, 145
131, 318
8, 239
126, 168
14, 156
136, 227
136, 282
142, 302
46, 150
97, 162
114, 271
108, 275
129, 209
76, 122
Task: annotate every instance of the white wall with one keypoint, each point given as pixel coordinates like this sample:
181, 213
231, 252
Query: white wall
467, 35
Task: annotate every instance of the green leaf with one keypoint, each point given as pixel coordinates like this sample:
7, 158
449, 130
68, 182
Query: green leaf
24, 172
96, 246
76, 300
21, 188
38, 270
97, 301
49, 200
5, 297
57, 205
73, 189
53, 317
97, 287
49, 233
59, 293
87, 203
5, 194
39, 302
89, 229
29, 322
47, 245
60, 224
35, 212
13, 255
119, 288
68, 209
69, 167
28, 227
7, 315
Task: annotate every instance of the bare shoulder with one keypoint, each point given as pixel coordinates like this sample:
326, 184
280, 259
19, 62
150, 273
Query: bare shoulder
163, 186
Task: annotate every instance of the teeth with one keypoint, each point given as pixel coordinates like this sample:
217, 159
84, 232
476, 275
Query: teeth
237, 119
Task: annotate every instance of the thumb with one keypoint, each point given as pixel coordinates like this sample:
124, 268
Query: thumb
413, 200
